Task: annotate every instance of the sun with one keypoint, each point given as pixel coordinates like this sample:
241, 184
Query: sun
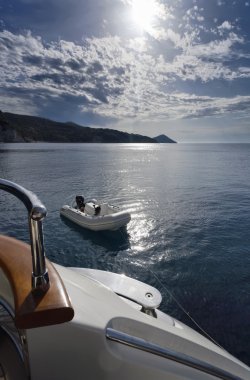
144, 12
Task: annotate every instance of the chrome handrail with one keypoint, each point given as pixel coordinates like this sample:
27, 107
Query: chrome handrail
36, 213
141, 344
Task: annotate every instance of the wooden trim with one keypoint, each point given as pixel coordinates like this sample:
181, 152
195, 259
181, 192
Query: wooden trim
32, 309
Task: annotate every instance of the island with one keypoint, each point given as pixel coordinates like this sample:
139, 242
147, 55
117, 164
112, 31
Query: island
164, 139
16, 128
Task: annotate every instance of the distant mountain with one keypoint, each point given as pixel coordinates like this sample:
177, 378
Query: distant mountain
164, 139
23, 128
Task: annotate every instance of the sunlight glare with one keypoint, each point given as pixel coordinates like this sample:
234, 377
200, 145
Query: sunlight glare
144, 12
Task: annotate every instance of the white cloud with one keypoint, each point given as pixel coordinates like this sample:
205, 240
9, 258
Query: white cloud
226, 25
117, 78
194, 14
224, 28
217, 48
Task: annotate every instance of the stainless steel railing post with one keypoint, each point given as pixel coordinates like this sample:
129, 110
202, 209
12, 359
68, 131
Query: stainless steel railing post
36, 213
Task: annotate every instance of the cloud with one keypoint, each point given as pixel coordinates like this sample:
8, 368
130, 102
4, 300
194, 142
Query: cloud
226, 25
118, 78
195, 14
217, 48
208, 106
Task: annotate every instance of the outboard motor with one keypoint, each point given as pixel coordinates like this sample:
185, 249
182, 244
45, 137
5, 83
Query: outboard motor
80, 201
97, 209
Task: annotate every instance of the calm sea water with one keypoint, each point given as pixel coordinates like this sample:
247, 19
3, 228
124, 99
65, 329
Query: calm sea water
190, 228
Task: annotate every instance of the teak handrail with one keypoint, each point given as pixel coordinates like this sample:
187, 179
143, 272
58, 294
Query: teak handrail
33, 309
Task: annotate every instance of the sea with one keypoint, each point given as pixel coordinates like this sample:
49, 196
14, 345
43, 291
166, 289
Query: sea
189, 235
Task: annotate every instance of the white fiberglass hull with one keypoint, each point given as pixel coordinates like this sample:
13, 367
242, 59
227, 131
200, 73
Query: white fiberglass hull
110, 222
101, 342
111, 338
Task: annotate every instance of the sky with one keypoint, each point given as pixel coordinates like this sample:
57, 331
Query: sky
174, 67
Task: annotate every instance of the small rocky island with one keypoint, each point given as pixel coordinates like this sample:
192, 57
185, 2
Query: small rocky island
164, 139
22, 128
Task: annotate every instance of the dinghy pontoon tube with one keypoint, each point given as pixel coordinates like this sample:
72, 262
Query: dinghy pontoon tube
95, 215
